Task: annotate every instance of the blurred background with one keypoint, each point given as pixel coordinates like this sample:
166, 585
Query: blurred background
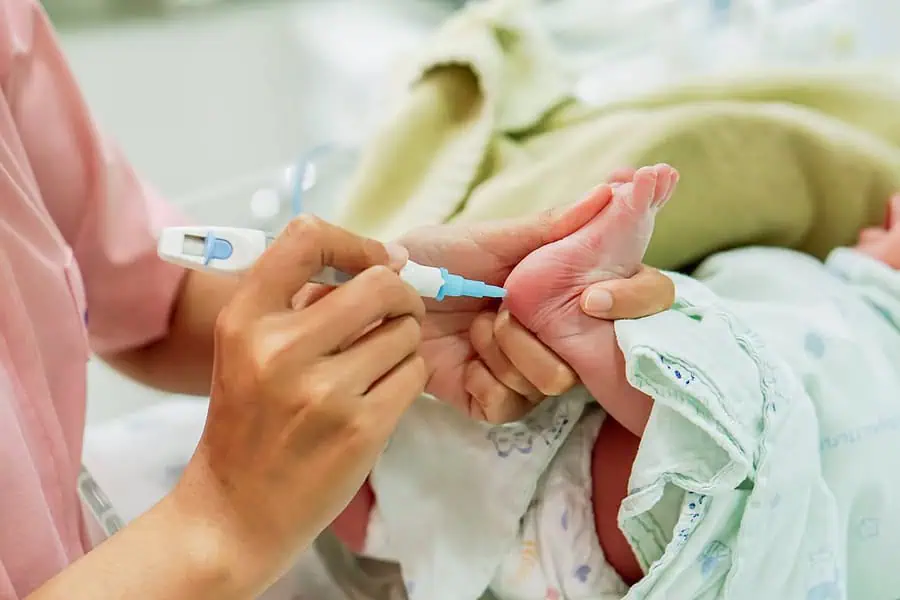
211, 99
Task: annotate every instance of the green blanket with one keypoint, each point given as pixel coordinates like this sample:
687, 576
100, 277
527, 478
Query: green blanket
490, 129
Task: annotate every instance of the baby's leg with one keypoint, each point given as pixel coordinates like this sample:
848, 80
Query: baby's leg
544, 294
611, 460
545, 289
352, 525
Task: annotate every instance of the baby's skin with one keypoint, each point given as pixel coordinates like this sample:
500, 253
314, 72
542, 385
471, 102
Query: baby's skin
544, 293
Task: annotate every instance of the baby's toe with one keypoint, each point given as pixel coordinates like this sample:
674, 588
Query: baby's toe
666, 178
619, 176
643, 189
893, 219
676, 177
663, 181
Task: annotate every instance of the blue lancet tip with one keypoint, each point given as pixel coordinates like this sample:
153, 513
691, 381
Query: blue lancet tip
456, 286
493, 291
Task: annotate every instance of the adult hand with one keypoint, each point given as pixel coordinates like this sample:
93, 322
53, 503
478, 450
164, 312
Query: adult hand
302, 402
496, 371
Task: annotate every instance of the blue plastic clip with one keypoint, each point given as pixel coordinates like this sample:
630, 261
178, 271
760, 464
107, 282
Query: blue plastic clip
216, 249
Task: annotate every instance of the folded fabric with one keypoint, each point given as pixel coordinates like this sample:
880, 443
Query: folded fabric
774, 428
490, 129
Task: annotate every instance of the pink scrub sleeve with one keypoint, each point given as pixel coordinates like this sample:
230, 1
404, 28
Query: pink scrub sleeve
78, 271
104, 211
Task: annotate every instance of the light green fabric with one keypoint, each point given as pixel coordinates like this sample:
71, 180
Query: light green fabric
774, 430
489, 129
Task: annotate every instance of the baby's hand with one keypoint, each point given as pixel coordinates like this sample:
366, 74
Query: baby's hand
514, 370
883, 243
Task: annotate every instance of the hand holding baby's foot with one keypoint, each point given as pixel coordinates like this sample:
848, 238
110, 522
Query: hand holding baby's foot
545, 289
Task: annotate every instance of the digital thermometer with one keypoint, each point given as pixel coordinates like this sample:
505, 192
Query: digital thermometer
235, 249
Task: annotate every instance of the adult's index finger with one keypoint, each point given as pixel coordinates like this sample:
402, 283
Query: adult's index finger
306, 246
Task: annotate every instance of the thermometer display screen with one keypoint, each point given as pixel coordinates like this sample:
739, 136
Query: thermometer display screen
194, 245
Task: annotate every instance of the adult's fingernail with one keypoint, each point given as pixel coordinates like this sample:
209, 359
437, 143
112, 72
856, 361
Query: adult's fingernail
598, 302
397, 254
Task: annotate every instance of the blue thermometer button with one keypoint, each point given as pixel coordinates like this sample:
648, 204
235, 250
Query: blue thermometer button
216, 249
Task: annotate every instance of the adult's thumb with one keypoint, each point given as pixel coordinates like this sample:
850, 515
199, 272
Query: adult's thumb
645, 293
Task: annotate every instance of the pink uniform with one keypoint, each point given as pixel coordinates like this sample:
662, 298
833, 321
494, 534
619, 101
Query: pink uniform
76, 236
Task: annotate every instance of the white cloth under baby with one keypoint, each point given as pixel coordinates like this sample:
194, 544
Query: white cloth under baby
557, 553
451, 492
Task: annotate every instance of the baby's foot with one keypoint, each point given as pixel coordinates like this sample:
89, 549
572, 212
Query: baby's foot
545, 288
